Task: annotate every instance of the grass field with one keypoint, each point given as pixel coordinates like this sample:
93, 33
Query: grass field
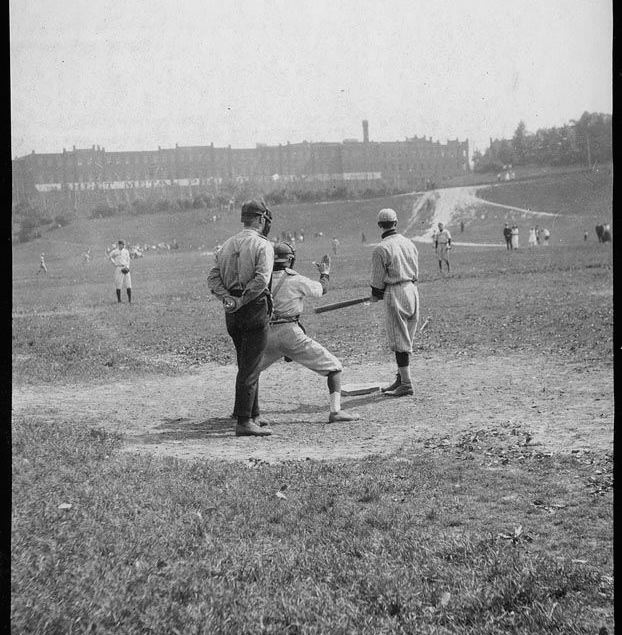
482, 505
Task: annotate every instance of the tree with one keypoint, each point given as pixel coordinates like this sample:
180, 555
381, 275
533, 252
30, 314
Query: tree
519, 143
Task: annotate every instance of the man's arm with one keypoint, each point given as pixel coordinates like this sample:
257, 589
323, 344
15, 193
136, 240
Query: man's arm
214, 282
264, 261
378, 269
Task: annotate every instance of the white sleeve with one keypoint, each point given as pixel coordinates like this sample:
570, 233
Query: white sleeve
308, 287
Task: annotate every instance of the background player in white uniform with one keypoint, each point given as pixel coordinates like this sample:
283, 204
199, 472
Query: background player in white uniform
287, 338
394, 274
42, 265
120, 258
442, 243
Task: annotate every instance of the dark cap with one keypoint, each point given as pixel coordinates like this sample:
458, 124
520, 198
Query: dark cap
283, 252
254, 208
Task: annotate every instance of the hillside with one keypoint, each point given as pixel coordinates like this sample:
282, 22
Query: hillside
581, 199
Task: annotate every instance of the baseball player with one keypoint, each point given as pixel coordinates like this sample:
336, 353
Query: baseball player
241, 278
42, 265
120, 258
287, 338
442, 244
394, 274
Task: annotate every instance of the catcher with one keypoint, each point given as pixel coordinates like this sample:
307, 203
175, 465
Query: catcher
287, 338
120, 258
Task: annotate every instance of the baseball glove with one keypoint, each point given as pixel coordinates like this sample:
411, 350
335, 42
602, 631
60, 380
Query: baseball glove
324, 265
125, 270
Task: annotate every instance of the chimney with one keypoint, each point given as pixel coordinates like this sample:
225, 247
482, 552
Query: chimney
365, 131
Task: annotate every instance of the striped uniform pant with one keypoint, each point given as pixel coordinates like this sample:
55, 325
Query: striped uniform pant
402, 315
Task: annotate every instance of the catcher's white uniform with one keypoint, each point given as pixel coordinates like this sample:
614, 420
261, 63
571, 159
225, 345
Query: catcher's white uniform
395, 269
286, 338
121, 259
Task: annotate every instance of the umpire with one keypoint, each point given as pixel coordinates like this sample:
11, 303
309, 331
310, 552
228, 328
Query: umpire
241, 278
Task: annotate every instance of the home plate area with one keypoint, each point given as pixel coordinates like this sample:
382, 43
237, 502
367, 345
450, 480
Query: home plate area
349, 390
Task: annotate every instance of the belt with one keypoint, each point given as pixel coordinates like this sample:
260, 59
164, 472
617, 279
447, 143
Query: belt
284, 320
393, 284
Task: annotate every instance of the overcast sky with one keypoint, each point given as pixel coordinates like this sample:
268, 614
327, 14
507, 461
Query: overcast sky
141, 73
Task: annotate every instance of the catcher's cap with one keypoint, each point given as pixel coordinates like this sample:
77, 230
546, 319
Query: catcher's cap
255, 208
387, 215
283, 252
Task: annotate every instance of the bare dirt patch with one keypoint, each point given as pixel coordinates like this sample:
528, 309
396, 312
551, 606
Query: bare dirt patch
561, 407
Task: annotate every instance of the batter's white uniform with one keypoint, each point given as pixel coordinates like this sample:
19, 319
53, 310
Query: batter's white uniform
286, 338
395, 269
121, 258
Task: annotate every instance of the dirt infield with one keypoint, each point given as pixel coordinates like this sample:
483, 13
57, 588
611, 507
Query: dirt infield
550, 405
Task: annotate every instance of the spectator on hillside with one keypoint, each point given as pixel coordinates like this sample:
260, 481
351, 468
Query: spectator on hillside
546, 234
507, 234
363, 238
532, 237
461, 226
538, 234
86, 256
514, 236
607, 233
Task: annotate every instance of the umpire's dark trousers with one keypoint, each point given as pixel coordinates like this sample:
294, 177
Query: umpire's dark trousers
248, 328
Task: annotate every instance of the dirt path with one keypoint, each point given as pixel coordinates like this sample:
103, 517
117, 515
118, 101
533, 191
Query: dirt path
448, 202
563, 407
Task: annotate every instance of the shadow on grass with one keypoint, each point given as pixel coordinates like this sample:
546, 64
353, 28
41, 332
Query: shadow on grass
186, 429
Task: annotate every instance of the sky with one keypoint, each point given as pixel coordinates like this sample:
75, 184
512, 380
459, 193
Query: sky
140, 74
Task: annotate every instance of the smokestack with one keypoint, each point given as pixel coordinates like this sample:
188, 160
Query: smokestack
365, 131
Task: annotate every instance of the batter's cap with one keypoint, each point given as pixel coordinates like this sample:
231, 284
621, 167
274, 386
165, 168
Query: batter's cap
387, 215
283, 252
120, 242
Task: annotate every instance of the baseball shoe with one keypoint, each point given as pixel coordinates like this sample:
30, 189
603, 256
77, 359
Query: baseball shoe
260, 421
334, 417
401, 391
251, 429
394, 385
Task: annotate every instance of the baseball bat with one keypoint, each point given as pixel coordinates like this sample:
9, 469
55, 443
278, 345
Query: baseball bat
341, 305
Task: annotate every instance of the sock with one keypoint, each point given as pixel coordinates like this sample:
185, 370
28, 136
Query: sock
129, 295
119, 295
335, 401
405, 374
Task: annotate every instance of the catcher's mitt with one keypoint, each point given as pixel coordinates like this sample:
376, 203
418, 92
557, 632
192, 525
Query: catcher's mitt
324, 265
125, 270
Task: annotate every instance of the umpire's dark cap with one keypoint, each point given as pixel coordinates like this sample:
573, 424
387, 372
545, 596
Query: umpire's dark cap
255, 208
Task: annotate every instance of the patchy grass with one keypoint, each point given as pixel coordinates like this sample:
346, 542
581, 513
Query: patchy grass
557, 300
478, 534
427, 542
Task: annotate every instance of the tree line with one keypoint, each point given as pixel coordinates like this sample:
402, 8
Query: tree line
586, 141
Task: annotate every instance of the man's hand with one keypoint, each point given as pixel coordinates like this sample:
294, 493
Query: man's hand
373, 298
230, 303
324, 265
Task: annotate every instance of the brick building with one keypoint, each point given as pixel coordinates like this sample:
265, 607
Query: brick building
95, 174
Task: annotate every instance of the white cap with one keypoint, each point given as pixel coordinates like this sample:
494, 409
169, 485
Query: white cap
387, 215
